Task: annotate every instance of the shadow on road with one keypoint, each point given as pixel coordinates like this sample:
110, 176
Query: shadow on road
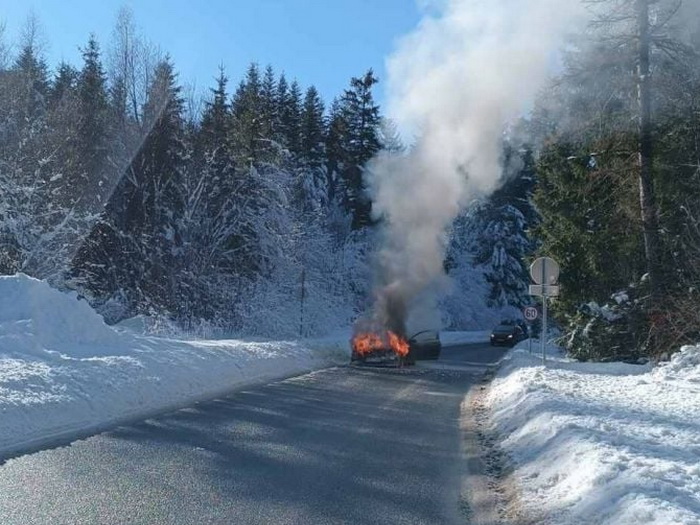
354, 448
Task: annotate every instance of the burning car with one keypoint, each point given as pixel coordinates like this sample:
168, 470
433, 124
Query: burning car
387, 347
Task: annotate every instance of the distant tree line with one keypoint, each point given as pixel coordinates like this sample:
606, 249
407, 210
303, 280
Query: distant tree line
117, 183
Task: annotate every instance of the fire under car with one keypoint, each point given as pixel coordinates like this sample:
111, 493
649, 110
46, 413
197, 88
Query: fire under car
384, 349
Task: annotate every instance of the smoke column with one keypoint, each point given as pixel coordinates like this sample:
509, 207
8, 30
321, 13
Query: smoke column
468, 69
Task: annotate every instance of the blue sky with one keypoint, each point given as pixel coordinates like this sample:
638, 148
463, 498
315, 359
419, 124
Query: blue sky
320, 42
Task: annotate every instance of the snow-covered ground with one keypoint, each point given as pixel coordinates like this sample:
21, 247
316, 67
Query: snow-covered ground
64, 371
602, 444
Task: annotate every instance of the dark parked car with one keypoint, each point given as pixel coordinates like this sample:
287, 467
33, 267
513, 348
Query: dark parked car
516, 322
507, 334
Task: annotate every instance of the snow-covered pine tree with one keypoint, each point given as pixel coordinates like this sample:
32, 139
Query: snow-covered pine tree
291, 114
30, 86
335, 152
64, 84
212, 144
93, 130
359, 143
389, 137
208, 199
281, 100
270, 112
248, 139
465, 306
310, 191
141, 238
312, 129
64, 134
504, 243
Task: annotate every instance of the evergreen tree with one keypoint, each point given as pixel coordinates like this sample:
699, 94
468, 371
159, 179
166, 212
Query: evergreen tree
389, 137
588, 209
291, 111
25, 104
251, 145
281, 104
336, 154
310, 192
93, 127
63, 134
23, 113
152, 201
163, 151
37, 231
64, 85
270, 111
31, 86
214, 158
312, 130
504, 244
215, 127
360, 142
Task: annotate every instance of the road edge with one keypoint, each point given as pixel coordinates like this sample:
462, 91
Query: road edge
489, 494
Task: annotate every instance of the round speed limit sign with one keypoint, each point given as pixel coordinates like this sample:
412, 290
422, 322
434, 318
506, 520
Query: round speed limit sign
530, 313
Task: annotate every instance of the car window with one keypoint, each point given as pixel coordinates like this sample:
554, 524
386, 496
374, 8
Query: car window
424, 337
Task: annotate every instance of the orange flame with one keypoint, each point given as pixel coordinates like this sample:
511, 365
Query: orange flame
398, 344
366, 343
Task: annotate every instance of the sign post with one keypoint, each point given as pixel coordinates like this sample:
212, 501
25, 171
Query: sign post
302, 296
545, 273
530, 313
543, 337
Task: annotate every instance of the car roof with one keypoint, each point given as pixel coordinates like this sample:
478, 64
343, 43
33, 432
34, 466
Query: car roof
425, 332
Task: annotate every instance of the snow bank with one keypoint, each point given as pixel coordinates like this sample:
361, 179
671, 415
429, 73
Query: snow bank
64, 371
604, 444
684, 366
34, 316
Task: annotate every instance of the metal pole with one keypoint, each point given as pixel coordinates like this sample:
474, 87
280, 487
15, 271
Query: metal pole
543, 336
544, 329
529, 338
303, 296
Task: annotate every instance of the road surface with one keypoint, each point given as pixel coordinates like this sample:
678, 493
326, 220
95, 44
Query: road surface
344, 445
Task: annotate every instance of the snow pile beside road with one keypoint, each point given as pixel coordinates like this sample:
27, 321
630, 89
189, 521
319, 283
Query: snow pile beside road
34, 316
64, 371
684, 366
604, 444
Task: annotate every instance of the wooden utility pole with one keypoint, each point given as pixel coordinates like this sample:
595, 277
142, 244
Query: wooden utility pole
650, 222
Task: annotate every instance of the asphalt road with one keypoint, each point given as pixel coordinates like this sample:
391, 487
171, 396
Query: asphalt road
343, 445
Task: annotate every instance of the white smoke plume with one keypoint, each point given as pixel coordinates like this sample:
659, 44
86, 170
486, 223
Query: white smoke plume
469, 68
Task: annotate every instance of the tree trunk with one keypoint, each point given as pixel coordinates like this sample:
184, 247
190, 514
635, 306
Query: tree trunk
646, 184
